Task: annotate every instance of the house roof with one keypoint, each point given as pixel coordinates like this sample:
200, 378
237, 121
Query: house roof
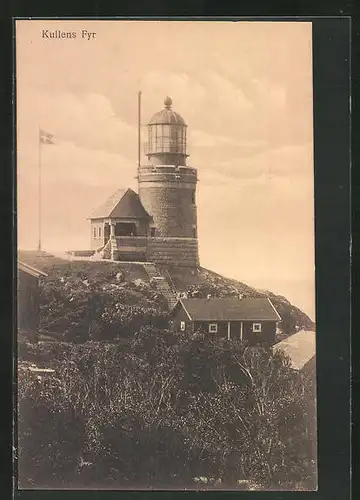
300, 347
230, 309
124, 203
30, 270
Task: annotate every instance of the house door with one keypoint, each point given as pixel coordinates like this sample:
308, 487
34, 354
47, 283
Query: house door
236, 331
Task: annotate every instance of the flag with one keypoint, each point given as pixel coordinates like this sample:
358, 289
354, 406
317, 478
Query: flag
46, 138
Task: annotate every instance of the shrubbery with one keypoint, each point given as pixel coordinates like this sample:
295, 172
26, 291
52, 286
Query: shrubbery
162, 410
80, 309
133, 405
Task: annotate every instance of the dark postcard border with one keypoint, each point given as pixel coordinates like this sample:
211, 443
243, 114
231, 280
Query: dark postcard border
331, 62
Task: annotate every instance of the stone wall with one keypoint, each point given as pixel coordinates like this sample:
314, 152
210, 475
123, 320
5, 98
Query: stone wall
167, 251
130, 248
173, 251
168, 194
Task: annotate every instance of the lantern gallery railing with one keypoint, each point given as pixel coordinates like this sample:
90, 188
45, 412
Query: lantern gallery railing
167, 169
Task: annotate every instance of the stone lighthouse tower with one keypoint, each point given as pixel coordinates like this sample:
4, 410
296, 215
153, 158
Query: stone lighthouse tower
167, 189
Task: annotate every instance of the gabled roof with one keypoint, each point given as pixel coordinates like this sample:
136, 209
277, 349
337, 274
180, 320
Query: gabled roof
300, 347
124, 203
229, 309
30, 270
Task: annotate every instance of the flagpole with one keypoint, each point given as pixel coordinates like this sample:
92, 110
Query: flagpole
139, 133
39, 179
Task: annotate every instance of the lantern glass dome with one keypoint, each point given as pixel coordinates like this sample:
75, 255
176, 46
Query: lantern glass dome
166, 132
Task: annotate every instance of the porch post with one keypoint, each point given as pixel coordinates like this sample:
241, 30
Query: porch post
228, 332
103, 233
113, 242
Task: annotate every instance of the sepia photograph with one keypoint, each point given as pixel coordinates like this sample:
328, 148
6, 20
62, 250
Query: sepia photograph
166, 329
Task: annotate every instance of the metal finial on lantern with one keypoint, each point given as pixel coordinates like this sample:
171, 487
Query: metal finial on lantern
168, 102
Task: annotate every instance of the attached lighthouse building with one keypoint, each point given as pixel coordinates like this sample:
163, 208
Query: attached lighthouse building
159, 223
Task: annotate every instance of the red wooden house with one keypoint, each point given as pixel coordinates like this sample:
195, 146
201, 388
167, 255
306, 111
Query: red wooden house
252, 320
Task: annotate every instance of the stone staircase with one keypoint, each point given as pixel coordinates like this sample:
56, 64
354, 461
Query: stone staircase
151, 269
103, 252
163, 285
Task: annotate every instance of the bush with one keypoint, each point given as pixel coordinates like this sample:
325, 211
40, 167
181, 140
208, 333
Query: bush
163, 410
50, 434
79, 309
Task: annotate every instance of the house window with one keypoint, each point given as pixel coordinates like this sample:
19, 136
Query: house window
193, 197
94, 232
256, 327
194, 232
213, 328
152, 232
182, 326
99, 232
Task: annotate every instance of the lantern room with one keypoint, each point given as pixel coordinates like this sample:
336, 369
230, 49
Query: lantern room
166, 143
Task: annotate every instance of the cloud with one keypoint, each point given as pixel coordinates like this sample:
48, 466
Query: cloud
289, 162
271, 94
186, 92
203, 139
87, 120
70, 163
204, 96
226, 93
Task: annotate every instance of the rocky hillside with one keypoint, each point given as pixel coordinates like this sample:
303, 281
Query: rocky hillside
120, 291
205, 282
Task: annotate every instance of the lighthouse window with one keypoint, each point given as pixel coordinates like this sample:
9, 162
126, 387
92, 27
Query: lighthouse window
150, 143
174, 140
166, 131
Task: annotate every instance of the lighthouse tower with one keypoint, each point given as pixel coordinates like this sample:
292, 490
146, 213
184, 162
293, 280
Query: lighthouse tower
167, 189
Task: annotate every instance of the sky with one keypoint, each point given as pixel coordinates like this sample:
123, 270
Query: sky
245, 92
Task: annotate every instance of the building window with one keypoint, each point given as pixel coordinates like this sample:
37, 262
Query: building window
99, 232
125, 229
256, 327
152, 232
193, 197
213, 328
194, 232
182, 326
94, 232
